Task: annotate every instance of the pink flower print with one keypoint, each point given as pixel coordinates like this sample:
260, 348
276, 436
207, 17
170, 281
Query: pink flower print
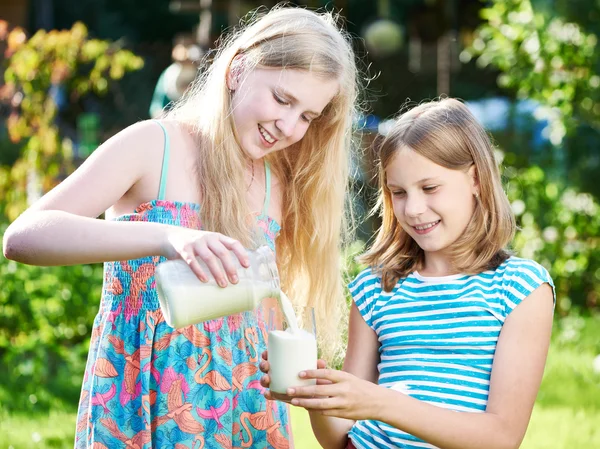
213, 325
170, 376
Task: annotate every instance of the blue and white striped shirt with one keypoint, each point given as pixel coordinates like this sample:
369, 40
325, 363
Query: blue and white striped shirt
438, 336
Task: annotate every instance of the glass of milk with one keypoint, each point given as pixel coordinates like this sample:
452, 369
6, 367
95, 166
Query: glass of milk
185, 300
292, 350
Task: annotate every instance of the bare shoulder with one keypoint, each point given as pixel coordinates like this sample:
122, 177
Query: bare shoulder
135, 149
136, 138
112, 170
152, 139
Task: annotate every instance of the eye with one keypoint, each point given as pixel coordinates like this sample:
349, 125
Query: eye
399, 193
280, 100
430, 189
306, 119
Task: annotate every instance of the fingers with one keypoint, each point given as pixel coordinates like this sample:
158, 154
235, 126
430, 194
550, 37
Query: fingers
222, 257
280, 397
190, 258
321, 364
212, 263
218, 253
316, 403
265, 381
311, 391
238, 249
264, 366
325, 374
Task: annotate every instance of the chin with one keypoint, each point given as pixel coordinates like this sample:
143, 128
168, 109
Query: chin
430, 247
253, 152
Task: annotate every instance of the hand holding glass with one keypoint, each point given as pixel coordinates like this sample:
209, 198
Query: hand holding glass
291, 351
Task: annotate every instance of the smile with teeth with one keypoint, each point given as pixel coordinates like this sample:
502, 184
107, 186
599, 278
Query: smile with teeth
268, 137
426, 226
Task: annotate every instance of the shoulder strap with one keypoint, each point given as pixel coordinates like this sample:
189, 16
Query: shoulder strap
165, 165
265, 211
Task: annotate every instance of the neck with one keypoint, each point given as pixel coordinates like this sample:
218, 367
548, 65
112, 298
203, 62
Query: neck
436, 265
250, 170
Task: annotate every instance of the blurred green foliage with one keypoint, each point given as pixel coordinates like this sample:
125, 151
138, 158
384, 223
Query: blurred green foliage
559, 228
548, 54
544, 59
46, 315
39, 69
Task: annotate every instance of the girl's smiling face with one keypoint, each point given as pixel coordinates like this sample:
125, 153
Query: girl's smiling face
433, 204
273, 108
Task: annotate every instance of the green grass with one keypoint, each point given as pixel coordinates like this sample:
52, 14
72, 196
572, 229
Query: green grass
566, 414
55, 430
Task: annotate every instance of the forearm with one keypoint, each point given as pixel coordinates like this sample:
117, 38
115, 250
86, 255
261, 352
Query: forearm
444, 428
331, 432
52, 237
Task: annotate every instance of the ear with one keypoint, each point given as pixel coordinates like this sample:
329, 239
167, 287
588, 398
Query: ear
234, 73
474, 177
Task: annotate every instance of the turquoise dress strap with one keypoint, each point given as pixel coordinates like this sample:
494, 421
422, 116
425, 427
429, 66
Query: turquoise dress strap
265, 211
165, 165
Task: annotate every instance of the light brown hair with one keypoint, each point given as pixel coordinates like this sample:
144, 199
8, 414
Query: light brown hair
445, 132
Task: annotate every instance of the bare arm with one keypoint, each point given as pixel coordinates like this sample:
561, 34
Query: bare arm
362, 358
62, 229
55, 237
516, 376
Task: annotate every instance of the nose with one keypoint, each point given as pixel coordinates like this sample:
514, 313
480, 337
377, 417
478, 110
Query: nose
287, 124
414, 205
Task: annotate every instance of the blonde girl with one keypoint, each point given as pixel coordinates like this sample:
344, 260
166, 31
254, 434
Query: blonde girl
260, 142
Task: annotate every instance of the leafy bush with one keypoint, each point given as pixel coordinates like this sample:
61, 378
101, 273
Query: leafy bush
45, 320
41, 73
559, 228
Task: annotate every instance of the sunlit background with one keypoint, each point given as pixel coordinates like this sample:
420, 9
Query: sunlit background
77, 72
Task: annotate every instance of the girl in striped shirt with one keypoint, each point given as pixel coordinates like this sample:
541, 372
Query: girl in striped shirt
448, 332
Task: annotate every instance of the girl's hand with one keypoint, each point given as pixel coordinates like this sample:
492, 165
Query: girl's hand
212, 248
338, 393
265, 381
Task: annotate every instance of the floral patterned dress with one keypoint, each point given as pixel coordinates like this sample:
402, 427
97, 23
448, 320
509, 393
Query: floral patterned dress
147, 385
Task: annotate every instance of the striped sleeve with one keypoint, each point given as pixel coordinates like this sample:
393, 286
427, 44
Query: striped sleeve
364, 290
521, 278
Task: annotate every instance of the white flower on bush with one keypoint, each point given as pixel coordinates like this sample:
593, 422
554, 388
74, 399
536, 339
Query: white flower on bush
596, 364
579, 202
550, 234
518, 207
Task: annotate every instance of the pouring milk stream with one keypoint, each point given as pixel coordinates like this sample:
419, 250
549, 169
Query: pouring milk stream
185, 300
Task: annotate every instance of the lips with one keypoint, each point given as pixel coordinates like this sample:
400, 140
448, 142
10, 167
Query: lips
267, 136
426, 227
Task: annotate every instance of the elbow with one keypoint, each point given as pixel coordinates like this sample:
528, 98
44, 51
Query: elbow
508, 439
9, 248
514, 442
12, 245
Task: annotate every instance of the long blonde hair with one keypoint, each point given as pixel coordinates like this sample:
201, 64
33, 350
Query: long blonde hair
313, 172
446, 133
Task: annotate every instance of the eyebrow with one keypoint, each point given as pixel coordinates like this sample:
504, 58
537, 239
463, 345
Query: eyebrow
421, 181
285, 93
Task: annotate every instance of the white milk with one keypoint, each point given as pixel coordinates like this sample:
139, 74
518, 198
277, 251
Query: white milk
183, 304
288, 312
289, 353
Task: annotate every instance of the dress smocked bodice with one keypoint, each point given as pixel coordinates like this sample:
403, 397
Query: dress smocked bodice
130, 285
